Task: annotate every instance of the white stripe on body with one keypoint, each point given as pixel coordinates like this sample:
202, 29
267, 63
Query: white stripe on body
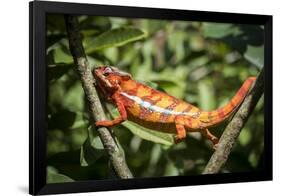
155, 108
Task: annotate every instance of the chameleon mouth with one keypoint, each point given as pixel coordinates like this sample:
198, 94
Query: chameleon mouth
103, 78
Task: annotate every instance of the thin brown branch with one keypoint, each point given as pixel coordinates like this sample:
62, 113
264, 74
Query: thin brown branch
115, 153
234, 127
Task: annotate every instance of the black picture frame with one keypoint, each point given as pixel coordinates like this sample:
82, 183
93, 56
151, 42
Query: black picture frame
37, 97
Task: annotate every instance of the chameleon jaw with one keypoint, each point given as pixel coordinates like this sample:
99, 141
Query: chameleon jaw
103, 79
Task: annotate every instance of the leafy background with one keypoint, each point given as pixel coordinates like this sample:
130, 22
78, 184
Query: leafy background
199, 62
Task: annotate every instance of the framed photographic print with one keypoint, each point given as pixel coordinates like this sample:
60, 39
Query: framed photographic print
130, 97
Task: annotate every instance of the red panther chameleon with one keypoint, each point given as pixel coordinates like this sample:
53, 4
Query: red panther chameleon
157, 110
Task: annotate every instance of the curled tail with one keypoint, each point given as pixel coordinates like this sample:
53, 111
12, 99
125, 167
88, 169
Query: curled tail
215, 117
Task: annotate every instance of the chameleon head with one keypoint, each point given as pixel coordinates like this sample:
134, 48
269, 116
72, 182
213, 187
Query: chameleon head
108, 78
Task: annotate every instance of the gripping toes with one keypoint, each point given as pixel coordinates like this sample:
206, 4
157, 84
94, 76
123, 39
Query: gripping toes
210, 136
105, 123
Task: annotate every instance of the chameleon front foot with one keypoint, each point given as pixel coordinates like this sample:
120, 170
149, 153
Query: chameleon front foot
109, 123
104, 123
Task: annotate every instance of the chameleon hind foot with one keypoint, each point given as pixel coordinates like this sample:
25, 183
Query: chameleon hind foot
181, 133
210, 136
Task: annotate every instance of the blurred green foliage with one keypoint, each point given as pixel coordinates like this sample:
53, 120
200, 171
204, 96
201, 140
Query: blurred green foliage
201, 63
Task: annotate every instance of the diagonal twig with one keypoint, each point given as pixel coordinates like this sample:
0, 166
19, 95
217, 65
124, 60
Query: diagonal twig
235, 126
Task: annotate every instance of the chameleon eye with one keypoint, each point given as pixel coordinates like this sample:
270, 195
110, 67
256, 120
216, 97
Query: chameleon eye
107, 71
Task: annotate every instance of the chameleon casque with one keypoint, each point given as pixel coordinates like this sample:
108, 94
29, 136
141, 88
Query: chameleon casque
157, 110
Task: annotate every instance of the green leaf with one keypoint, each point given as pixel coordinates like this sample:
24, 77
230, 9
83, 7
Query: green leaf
62, 55
174, 85
171, 169
57, 178
81, 121
55, 71
53, 39
255, 54
91, 150
170, 86
245, 137
90, 153
113, 38
153, 85
176, 44
62, 119
165, 82
148, 134
219, 30
55, 22
144, 133
206, 95
95, 24
74, 97
54, 177
153, 26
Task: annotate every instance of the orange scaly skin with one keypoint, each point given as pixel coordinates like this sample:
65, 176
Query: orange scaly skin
159, 111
